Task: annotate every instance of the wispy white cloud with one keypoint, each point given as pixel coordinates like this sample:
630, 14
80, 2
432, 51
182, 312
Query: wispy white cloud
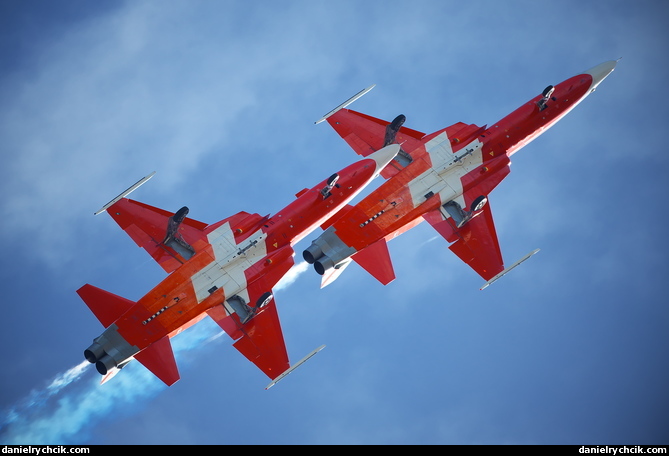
119, 97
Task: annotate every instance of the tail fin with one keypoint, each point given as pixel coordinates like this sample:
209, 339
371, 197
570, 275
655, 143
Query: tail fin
106, 306
375, 259
159, 359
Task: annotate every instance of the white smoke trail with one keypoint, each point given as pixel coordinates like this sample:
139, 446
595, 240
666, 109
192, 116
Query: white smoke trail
291, 276
38, 397
66, 410
62, 380
70, 406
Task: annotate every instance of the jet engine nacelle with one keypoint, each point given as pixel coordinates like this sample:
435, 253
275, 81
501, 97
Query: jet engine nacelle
105, 364
323, 264
109, 350
94, 352
312, 253
327, 251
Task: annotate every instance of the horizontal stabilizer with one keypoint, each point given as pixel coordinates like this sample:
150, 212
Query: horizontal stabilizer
375, 259
106, 306
159, 359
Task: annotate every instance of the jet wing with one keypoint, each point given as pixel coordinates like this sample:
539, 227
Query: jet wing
260, 338
148, 226
366, 134
475, 242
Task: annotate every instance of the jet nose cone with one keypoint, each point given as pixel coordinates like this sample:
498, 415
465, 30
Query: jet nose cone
384, 156
600, 72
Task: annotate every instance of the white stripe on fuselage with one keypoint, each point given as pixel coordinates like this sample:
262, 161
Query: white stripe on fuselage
448, 168
231, 260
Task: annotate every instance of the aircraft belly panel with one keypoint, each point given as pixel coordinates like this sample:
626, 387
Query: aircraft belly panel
208, 280
222, 240
457, 172
439, 149
230, 262
421, 187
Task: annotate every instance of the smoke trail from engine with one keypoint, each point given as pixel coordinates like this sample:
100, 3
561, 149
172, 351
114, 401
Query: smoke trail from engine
73, 402
291, 276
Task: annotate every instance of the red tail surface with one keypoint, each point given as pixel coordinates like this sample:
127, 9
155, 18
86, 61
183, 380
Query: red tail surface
159, 359
375, 259
106, 306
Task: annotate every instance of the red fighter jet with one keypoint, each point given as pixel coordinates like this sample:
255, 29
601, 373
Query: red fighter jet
225, 270
444, 178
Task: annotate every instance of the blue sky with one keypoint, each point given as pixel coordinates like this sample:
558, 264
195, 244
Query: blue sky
220, 98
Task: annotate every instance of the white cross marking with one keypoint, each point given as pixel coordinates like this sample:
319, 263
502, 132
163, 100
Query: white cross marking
445, 175
231, 260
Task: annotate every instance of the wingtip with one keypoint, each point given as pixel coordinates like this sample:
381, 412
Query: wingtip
293, 367
129, 190
346, 103
507, 270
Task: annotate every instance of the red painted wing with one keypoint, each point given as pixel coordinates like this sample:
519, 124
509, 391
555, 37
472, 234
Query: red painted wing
375, 259
159, 359
260, 339
263, 342
147, 226
366, 134
106, 306
475, 243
